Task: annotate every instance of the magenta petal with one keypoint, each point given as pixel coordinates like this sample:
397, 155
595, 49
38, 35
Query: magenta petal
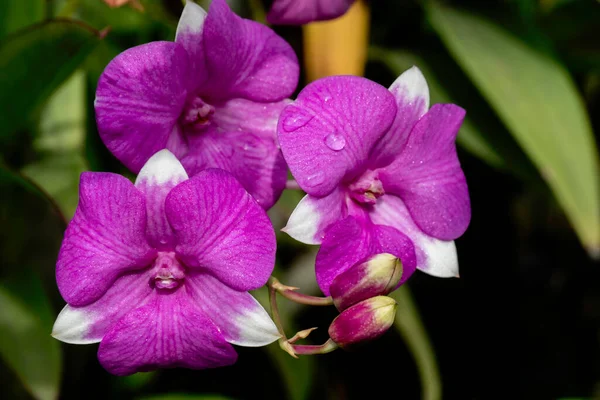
412, 98
157, 177
255, 161
246, 59
313, 215
140, 96
326, 135
89, 324
105, 238
169, 331
299, 12
189, 35
350, 241
221, 228
427, 175
240, 318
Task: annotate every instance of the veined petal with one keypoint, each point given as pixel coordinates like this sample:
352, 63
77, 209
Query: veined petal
249, 116
412, 98
161, 173
254, 160
240, 318
313, 215
140, 96
427, 175
300, 12
220, 228
168, 331
246, 59
435, 257
89, 324
189, 35
105, 239
327, 134
351, 240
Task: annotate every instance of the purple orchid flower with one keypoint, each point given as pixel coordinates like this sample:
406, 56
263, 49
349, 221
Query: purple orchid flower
158, 272
379, 168
212, 98
299, 12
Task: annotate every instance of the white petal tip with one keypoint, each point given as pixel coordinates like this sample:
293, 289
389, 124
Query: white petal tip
191, 20
411, 86
71, 326
161, 168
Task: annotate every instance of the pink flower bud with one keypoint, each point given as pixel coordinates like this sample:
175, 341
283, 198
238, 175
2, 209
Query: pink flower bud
377, 276
364, 321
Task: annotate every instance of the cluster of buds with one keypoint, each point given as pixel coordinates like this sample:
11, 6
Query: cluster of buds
359, 294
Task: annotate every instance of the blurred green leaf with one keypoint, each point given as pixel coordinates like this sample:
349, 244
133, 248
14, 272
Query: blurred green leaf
29, 242
60, 142
185, 397
50, 52
537, 100
408, 324
17, 14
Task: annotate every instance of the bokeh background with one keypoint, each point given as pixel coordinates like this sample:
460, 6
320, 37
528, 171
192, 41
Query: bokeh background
521, 322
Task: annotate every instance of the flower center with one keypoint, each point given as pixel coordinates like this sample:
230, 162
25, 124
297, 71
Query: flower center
196, 112
367, 189
168, 272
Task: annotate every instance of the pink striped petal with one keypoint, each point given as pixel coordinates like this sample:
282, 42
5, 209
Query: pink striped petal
351, 240
139, 98
105, 239
313, 215
246, 59
220, 228
327, 134
168, 331
435, 257
427, 175
412, 98
161, 173
300, 12
89, 324
240, 318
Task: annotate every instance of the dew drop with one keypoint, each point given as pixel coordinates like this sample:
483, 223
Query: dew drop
315, 179
295, 121
335, 141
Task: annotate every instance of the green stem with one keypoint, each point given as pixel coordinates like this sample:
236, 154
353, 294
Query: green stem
290, 293
309, 349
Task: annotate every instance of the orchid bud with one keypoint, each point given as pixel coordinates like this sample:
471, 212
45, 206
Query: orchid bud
364, 321
377, 276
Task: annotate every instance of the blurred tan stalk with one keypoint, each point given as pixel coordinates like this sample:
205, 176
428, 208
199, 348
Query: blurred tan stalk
339, 46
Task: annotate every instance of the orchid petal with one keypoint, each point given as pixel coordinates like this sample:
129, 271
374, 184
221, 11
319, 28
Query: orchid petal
254, 160
351, 240
161, 173
220, 228
105, 239
434, 257
313, 215
189, 35
412, 98
246, 59
300, 12
240, 318
140, 96
89, 324
427, 175
326, 135
168, 331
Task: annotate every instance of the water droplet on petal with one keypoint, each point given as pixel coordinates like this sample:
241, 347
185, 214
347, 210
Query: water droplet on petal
315, 179
335, 141
295, 121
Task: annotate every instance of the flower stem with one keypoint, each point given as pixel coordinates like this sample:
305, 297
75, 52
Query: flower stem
307, 349
292, 185
289, 292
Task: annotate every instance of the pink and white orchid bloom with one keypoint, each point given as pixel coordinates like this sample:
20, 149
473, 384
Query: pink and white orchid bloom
159, 272
380, 171
212, 97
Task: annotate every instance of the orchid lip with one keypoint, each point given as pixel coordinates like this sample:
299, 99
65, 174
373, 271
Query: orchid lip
196, 112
